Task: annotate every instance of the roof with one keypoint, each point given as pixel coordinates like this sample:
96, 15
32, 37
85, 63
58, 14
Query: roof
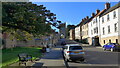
112, 8
100, 13
86, 21
77, 25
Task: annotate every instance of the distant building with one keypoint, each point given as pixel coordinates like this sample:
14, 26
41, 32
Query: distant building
85, 30
68, 29
77, 32
72, 34
62, 30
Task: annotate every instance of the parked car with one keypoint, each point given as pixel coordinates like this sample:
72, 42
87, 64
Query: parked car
63, 43
73, 52
112, 47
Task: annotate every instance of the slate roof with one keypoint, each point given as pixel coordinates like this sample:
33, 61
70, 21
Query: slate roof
111, 9
103, 12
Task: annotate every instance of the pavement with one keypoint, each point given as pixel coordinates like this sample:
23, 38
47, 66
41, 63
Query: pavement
52, 58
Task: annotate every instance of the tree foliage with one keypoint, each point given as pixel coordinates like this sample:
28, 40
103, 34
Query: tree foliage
25, 18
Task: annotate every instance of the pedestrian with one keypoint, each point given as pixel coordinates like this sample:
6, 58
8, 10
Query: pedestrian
48, 49
43, 49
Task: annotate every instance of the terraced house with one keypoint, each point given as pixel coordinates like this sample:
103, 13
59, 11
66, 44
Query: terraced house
85, 30
77, 32
109, 21
94, 28
102, 26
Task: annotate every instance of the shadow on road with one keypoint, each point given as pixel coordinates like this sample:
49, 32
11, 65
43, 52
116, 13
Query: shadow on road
38, 64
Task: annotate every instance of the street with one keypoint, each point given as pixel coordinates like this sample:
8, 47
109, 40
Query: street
95, 57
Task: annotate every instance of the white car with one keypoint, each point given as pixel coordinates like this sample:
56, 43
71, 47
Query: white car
73, 52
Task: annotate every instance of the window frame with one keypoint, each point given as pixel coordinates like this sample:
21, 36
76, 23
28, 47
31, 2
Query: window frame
108, 17
102, 19
103, 30
109, 29
115, 27
114, 15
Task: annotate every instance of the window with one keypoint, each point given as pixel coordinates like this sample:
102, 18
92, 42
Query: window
94, 30
87, 32
114, 14
75, 47
108, 18
97, 30
93, 21
96, 20
103, 30
115, 27
104, 41
116, 40
102, 19
108, 29
91, 32
109, 40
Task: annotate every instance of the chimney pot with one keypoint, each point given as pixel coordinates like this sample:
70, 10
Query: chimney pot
87, 17
107, 5
84, 19
93, 14
97, 11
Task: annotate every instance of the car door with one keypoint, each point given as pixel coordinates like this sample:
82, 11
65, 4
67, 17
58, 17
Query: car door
107, 46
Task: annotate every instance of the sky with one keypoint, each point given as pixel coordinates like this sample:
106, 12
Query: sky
73, 12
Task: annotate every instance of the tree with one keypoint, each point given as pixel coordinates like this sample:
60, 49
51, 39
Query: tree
24, 19
68, 29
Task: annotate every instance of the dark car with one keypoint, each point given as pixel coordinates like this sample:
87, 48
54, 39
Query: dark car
112, 47
63, 43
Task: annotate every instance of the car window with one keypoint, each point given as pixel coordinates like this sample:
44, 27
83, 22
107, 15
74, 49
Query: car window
108, 44
115, 44
75, 47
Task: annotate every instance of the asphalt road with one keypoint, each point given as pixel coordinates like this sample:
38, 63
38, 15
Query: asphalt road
95, 56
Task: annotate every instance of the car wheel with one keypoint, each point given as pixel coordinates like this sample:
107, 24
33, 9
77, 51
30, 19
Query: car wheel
104, 48
66, 59
82, 60
111, 49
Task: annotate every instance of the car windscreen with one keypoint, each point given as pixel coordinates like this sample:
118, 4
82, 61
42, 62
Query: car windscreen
75, 47
114, 44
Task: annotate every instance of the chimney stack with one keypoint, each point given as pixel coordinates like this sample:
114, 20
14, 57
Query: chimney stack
84, 19
107, 5
97, 11
87, 17
93, 14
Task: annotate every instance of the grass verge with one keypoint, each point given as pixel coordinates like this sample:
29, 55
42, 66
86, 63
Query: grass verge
10, 55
